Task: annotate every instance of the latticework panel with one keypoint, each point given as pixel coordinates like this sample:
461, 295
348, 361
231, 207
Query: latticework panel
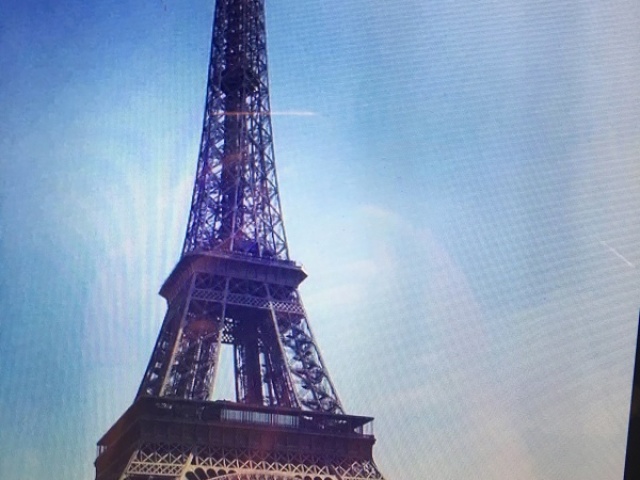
247, 301
314, 388
158, 459
264, 321
292, 463
159, 363
357, 470
200, 474
209, 463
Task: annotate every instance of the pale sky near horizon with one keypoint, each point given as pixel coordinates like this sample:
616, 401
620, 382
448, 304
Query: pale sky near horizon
460, 179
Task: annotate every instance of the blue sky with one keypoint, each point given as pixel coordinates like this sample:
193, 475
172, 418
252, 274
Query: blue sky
463, 190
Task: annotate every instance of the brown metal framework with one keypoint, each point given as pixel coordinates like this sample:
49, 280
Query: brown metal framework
190, 440
236, 221
219, 297
236, 206
235, 284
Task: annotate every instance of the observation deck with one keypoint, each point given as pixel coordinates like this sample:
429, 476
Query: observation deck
230, 425
233, 264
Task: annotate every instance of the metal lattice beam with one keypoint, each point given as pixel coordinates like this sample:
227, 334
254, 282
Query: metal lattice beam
236, 205
277, 359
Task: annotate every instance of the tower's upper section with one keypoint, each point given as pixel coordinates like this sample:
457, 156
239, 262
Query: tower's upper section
236, 205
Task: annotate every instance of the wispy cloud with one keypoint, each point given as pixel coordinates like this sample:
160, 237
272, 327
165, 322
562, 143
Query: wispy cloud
617, 253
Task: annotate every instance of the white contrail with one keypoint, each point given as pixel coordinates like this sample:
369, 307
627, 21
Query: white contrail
295, 113
617, 254
289, 113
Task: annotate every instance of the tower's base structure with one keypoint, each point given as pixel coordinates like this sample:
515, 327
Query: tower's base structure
159, 438
168, 438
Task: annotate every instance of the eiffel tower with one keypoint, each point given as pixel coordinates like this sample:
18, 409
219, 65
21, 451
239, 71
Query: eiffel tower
235, 285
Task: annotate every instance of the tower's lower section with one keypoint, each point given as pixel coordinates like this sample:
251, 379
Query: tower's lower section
168, 439
252, 304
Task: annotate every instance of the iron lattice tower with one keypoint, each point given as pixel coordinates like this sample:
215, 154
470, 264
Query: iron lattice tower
235, 284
